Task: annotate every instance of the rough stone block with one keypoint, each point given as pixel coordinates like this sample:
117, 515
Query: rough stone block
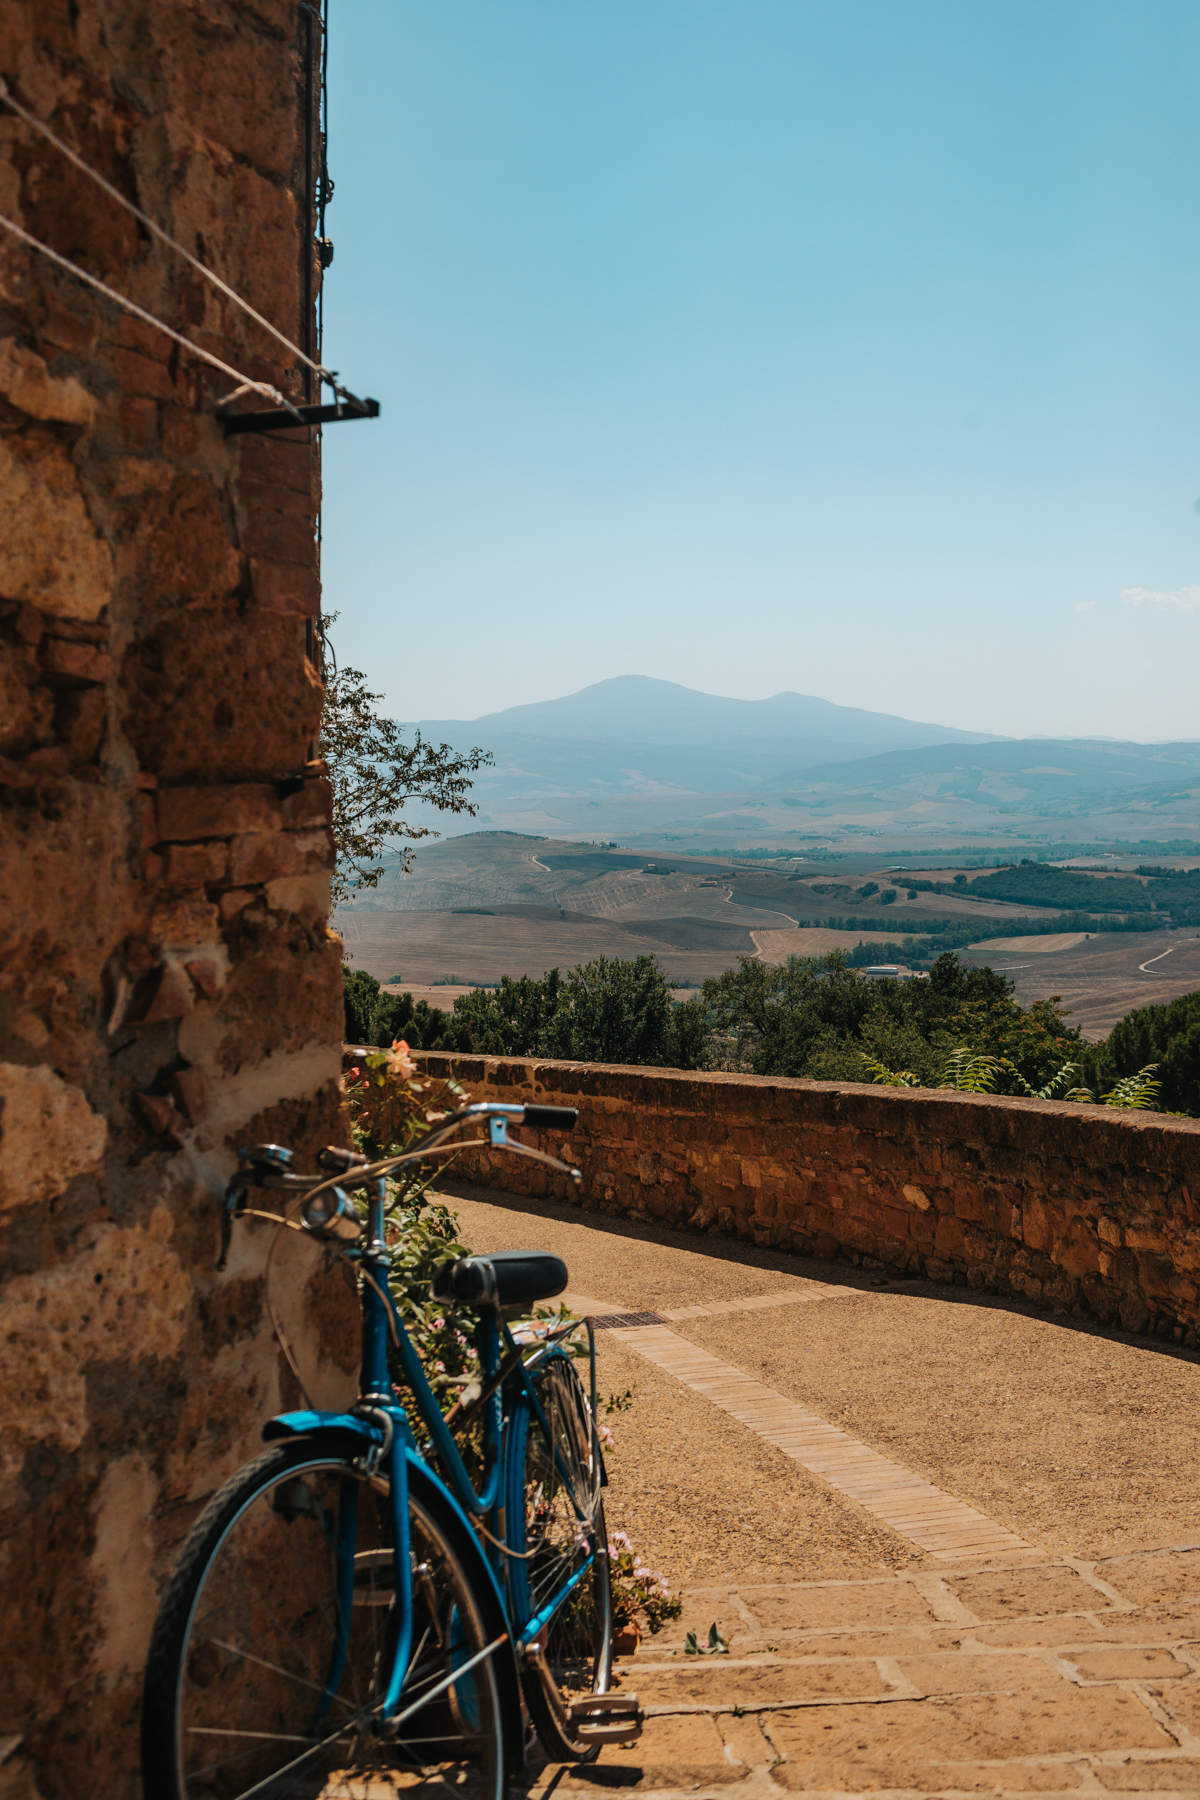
310, 806
948, 1238
136, 334
72, 665
139, 423
280, 536
285, 587
194, 812
144, 376
280, 462
194, 865
50, 552
177, 430
266, 856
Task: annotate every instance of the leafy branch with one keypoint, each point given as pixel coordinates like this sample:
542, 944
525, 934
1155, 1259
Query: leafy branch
375, 774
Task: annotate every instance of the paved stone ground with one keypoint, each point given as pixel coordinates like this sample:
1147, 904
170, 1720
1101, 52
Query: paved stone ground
802, 1450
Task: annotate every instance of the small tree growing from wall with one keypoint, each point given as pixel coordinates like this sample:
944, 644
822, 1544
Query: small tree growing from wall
375, 774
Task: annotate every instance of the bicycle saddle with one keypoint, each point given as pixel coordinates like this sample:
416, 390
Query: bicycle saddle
507, 1278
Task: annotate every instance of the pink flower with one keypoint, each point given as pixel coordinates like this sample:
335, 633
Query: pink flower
399, 1061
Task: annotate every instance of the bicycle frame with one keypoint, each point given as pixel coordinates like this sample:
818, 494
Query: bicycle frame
382, 1428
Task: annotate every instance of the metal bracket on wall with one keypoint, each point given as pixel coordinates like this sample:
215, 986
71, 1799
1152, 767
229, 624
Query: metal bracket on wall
281, 418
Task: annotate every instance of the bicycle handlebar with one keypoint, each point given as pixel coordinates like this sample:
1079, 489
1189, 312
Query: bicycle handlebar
270, 1163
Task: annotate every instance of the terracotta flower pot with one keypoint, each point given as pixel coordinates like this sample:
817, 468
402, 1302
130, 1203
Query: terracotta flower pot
626, 1638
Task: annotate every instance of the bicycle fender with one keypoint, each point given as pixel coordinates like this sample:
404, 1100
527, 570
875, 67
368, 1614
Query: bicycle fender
348, 1432
440, 1501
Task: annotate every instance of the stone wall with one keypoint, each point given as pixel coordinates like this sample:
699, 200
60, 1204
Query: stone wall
169, 988
1079, 1209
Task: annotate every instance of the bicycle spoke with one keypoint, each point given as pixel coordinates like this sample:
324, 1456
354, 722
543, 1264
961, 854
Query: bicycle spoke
281, 1696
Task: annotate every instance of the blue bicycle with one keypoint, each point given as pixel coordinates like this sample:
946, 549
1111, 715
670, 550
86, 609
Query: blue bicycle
380, 1602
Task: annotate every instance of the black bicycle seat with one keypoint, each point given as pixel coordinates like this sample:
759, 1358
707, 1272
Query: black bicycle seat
506, 1278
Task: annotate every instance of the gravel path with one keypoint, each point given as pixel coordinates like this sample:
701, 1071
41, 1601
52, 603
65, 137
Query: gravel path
1074, 1438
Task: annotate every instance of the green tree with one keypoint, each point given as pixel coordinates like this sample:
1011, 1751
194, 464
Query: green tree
1168, 1035
360, 993
511, 1020
1033, 1039
614, 1010
375, 774
376, 1017
609, 1010
817, 1018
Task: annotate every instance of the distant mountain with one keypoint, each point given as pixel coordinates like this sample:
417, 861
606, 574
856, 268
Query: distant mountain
635, 734
1080, 772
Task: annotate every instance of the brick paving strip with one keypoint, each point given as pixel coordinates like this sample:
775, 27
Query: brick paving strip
945, 1528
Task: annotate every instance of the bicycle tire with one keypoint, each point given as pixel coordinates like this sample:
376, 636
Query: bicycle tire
551, 1539
240, 1692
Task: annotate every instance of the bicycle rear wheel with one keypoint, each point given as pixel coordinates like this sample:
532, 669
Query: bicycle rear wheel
260, 1683
556, 1533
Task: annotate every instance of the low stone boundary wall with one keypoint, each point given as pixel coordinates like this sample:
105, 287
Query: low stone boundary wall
1079, 1209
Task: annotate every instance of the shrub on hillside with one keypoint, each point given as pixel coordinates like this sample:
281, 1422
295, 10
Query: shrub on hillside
815, 1017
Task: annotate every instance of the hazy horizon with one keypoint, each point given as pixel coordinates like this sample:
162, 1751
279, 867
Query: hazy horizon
841, 350
790, 693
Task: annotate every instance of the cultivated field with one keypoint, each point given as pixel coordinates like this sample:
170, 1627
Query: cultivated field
1103, 977
777, 946
493, 904
422, 947
1034, 946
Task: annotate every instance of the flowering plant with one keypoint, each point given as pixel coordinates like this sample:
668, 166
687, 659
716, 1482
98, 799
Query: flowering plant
638, 1589
390, 1108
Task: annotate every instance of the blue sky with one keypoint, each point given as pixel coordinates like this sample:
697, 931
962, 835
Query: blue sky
849, 348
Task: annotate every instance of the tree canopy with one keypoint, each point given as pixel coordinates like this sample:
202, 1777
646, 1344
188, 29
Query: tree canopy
817, 1017
610, 1010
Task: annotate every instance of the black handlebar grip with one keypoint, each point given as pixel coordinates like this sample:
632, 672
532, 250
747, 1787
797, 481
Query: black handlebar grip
561, 1118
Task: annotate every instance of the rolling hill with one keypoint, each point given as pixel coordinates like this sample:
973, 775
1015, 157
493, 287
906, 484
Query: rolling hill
636, 734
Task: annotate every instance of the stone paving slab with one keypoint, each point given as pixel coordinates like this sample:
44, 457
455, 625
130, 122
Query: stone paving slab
1000, 1681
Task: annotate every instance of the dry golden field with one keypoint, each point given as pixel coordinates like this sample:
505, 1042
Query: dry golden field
490, 905
1102, 978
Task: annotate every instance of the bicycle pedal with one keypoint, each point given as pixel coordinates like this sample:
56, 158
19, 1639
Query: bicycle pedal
606, 1718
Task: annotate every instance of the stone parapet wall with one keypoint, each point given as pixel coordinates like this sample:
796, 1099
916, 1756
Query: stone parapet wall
1079, 1209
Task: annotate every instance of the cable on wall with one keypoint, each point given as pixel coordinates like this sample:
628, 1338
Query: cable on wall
194, 262
245, 383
